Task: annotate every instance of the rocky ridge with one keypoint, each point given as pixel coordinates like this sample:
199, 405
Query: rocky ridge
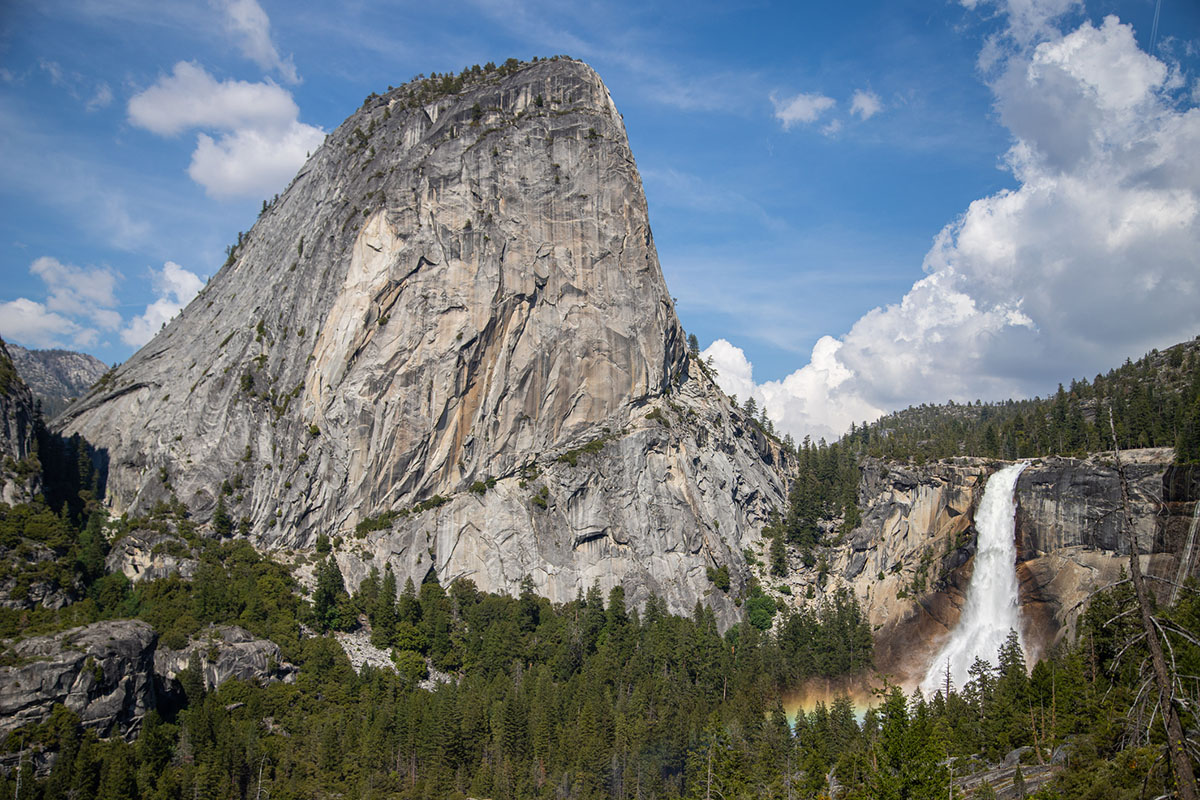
146, 555
104, 672
449, 343
55, 377
225, 652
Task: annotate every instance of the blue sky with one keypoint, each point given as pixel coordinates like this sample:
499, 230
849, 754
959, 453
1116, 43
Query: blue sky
856, 205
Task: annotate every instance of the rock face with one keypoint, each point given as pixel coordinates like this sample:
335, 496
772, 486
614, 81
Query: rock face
103, 672
910, 560
56, 376
451, 294
145, 555
224, 652
19, 476
111, 673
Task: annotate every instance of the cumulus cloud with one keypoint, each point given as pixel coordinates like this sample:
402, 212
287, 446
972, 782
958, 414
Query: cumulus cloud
249, 24
79, 291
1032, 20
30, 323
1090, 259
259, 142
865, 104
191, 98
80, 303
801, 108
175, 287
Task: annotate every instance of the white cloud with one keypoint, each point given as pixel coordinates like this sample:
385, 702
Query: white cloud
79, 291
1090, 259
75, 84
801, 108
176, 287
30, 323
1029, 21
246, 20
191, 98
246, 161
865, 104
80, 302
260, 143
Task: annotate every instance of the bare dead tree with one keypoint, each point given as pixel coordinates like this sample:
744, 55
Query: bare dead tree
1181, 763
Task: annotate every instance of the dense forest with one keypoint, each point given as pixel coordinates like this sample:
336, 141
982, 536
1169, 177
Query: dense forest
590, 698
1155, 402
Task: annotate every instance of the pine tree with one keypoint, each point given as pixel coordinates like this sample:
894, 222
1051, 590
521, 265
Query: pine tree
330, 587
221, 521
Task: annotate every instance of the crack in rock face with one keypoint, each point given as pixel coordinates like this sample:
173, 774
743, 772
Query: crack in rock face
458, 294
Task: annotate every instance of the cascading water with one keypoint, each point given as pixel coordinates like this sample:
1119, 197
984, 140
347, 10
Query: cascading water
992, 607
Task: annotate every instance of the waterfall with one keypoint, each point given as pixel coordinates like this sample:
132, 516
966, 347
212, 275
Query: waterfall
992, 607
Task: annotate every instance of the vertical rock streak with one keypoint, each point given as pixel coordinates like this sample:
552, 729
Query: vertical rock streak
993, 604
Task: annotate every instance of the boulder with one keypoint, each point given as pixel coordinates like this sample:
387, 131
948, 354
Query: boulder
103, 672
147, 555
225, 652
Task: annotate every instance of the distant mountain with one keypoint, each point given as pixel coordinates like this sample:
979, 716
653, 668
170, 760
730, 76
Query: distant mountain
56, 377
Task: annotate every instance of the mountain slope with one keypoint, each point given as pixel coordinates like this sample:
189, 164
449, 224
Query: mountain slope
56, 376
459, 289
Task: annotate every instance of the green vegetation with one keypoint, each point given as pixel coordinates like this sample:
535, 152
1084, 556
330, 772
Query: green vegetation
1155, 402
233, 584
591, 695
824, 490
571, 457
719, 577
422, 90
481, 487
379, 522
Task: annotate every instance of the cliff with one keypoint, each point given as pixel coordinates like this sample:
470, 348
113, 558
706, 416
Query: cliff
20, 472
449, 346
910, 560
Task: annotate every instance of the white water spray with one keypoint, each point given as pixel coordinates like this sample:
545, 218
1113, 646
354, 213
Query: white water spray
992, 608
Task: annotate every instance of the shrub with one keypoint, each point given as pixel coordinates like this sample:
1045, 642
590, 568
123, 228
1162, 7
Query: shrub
410, 665
719, 577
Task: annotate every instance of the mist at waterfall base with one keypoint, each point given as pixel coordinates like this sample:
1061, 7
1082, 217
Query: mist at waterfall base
993, 605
